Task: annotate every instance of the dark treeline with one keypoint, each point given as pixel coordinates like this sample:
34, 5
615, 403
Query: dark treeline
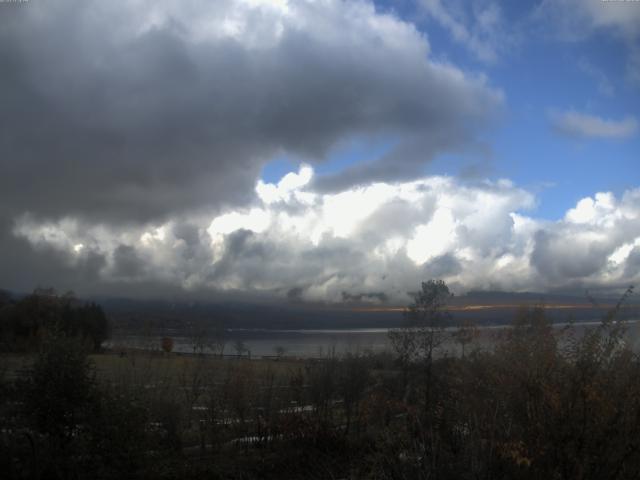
24, 322
543, 403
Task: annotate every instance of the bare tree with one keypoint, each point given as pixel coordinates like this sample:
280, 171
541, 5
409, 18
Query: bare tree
218, 339
466, 333
239, 347
423, 332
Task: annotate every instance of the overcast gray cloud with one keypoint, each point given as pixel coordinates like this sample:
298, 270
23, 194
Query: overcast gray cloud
135, 110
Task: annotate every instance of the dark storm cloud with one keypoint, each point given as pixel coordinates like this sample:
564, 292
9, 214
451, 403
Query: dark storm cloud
443, 266
380, 297
24, 266
258, 261
556, 258
187, 232
127, 263
245, 254
110, 119
295, 294
194, 243
632, 268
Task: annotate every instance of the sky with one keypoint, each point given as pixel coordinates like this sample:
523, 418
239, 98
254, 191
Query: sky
321, 150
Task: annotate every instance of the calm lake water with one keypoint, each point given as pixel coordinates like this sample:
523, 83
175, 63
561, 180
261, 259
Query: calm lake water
318, 343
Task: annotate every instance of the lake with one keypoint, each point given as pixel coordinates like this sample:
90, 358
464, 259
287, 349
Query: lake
321, 342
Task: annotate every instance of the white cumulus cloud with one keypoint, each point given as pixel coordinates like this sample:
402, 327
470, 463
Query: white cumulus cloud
376, 241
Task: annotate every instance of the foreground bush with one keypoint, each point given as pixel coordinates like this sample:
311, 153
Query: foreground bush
543, 403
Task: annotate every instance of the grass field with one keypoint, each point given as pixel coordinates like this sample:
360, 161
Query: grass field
147, 366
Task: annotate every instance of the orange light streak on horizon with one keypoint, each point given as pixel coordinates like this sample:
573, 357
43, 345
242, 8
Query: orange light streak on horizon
462, 308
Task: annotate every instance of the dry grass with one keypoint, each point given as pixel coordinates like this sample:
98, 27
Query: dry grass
150, 367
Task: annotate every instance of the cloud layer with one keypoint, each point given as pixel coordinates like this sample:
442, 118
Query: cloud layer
134, 135
480, 27
373, 243
576, 124
575, 20
133, 111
